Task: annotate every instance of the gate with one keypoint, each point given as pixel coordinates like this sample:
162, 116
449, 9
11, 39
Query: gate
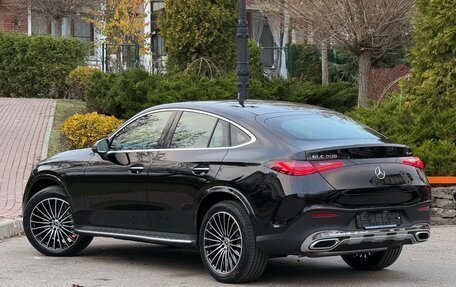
120, 57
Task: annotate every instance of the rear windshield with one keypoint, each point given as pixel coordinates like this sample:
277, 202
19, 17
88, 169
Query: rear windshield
320, 127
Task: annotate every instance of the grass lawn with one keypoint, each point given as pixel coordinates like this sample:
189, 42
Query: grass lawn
63, 110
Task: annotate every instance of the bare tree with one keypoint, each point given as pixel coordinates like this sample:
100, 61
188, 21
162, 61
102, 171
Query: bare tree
368, 28
55, 10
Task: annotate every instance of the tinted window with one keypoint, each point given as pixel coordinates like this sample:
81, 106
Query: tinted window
193, 131
220, 137
238, 137
320, 127
143, 133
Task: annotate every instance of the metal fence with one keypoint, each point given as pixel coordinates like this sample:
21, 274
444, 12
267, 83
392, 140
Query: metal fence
120, 57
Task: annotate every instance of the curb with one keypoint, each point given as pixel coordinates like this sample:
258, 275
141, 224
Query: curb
47, 135
10, 228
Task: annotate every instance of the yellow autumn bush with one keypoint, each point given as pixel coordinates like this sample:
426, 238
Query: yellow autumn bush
83, 130
78, 80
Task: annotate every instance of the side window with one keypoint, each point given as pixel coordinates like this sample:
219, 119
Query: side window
193, 131
238, 137
143, 133
221, 135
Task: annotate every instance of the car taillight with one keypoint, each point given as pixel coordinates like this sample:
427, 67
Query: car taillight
323, 214
298, 168
327, 165
413, 161
424, 208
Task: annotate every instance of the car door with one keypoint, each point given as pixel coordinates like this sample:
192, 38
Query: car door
116, 183
187, 166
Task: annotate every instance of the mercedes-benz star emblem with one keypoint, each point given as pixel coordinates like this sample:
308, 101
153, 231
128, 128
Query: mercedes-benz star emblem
381, 174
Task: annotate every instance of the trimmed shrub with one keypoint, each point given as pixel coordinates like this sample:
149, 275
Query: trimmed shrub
78, 80
195, 29
83, 130
127, 93
255, 65
37, 66
431, 135
343, 65
306, 62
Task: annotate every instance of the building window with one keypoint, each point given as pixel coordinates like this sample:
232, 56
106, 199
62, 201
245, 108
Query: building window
158, 42
83, 30
76, 27
40, 26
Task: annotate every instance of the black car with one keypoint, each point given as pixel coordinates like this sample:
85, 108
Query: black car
240, 184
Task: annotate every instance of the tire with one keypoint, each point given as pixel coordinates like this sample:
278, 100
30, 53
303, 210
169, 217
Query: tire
235, 261
373, 260
48, 224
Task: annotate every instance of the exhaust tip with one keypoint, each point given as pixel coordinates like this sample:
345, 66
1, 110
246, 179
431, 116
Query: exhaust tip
324, 244
422, 236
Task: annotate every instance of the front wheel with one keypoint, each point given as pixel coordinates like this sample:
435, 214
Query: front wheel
48, 224
228, 245
373, 260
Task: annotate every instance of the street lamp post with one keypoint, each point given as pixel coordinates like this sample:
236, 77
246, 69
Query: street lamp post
243, 54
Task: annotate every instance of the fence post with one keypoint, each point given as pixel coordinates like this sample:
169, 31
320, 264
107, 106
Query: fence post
103, 58
137, 58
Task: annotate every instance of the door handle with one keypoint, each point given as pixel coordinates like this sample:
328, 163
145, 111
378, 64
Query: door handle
200, 170
136, 169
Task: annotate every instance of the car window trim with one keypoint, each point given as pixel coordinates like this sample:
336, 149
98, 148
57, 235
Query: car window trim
212, 134
176, 117
163, 135
174, 127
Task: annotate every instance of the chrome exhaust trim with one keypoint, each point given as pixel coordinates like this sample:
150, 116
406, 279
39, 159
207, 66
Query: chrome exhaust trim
324, 243
422, 236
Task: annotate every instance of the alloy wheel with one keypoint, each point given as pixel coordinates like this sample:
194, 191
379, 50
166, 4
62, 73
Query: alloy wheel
222, 242
51, 223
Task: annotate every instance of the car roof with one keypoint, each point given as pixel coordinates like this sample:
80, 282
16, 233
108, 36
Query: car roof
252, 107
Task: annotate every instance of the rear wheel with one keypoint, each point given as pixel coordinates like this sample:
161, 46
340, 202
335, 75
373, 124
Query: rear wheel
373, 260
228, 245
48, 224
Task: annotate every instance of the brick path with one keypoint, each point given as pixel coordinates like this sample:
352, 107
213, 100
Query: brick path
23, 124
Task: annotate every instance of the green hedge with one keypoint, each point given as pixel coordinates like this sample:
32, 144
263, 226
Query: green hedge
125, 94
306, 62
36, 66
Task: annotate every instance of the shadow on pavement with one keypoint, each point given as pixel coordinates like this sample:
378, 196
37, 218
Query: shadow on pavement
187, 263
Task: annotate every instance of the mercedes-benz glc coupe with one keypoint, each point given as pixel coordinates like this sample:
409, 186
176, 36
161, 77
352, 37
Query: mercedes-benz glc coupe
239, 184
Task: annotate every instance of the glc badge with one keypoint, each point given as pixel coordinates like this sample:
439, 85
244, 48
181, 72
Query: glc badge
381, 174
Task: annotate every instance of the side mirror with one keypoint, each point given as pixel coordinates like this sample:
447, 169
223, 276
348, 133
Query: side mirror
101, 147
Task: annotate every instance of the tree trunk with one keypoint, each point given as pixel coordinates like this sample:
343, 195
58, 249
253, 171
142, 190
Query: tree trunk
364, 74
283, 71
324, 64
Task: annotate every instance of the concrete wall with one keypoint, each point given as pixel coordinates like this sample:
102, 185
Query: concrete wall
444, 205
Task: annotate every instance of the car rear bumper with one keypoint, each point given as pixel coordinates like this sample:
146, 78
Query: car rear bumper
316, 237
337, 242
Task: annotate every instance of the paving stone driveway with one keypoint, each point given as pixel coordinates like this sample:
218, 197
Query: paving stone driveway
23, 126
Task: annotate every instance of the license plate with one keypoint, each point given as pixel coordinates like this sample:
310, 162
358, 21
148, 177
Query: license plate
371, 220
